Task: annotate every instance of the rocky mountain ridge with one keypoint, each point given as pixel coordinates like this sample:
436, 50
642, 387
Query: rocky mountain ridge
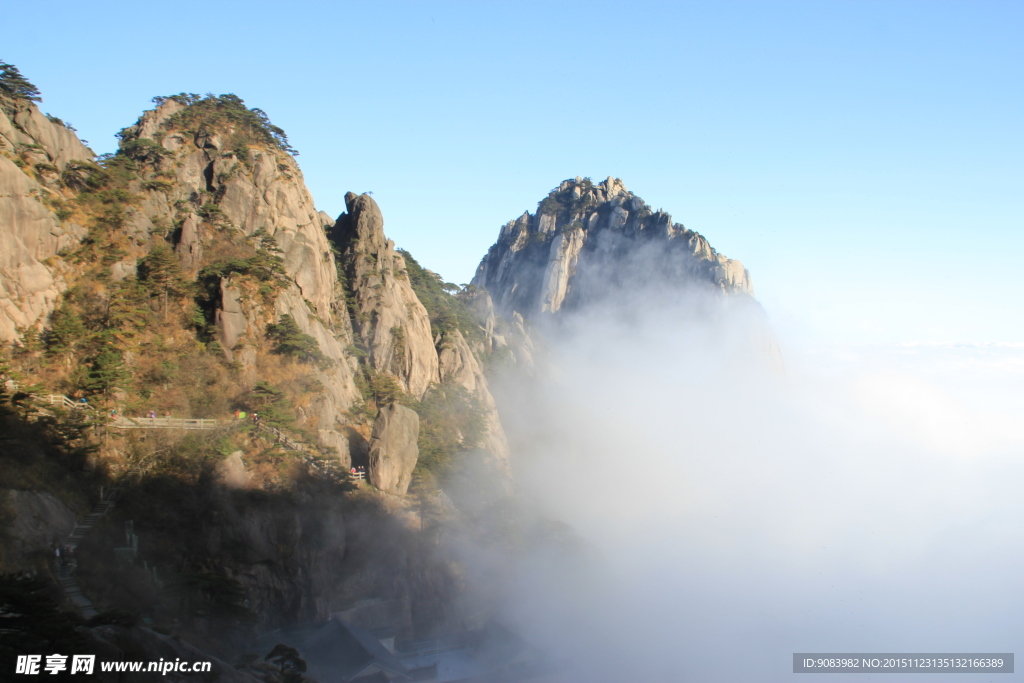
214, 196
587, 238
191, 274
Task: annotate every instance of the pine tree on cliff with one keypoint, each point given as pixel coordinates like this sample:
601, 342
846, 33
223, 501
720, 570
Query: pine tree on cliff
163, 272
107, 369
16, 86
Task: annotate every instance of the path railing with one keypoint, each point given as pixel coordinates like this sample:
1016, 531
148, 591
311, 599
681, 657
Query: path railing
162, 423
60, 400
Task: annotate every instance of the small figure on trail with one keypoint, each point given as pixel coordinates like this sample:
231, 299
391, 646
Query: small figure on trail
84, 402
238, 413
352, 471
113, 413
256, 418
152, 414
167, 414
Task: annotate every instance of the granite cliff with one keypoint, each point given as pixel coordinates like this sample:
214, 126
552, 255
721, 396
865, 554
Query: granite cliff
587, 240
35, 151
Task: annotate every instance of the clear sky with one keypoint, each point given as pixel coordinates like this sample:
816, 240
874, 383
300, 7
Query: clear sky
865, 160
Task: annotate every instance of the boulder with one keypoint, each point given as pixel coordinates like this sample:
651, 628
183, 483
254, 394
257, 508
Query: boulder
232, 473
393, 449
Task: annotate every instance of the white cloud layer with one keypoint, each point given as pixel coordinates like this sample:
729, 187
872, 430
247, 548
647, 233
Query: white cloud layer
866, 500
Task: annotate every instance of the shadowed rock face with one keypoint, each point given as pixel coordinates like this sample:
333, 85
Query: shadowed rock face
393, 449
588, 239
39, 520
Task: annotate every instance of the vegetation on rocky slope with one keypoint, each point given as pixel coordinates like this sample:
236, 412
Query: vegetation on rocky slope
226, 113
14, 86
250, 526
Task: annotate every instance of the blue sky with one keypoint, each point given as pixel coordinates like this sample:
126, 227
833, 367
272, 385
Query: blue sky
863, 159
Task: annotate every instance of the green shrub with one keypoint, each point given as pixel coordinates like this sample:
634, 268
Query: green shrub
291, 341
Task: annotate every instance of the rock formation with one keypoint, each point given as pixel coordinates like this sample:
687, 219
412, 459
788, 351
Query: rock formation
256, 192
393, 450
35, 153
459, 366
588, 239
389, 318
599, 247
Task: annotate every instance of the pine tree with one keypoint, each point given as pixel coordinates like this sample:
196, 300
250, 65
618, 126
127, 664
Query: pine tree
67, 332
291, 341
16, 86
106, 370
162, 271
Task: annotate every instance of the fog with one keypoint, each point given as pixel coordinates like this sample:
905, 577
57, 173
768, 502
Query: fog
735, 509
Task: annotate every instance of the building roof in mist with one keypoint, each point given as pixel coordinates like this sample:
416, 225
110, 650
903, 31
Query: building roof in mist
340, 651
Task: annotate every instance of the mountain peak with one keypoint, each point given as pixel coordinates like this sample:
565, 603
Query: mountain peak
538, 264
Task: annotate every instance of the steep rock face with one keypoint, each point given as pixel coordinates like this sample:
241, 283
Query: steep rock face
291, 562
34, 152
389, 318
252, 188
459, 366
393, 449
503, 336
258, 191
571, 252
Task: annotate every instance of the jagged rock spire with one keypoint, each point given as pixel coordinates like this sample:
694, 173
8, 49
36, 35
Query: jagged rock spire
387, 315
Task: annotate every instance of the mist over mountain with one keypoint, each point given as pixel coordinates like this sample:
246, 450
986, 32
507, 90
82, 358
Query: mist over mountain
261, 435
296, 416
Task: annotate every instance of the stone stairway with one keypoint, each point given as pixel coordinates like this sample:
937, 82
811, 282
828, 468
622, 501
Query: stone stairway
69, 583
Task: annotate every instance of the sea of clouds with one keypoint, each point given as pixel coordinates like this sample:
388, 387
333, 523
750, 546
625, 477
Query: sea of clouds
740, 503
